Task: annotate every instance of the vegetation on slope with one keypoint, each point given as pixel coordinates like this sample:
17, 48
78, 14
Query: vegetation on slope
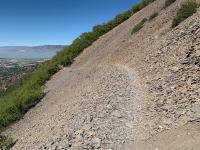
168, 3
6, 143
16, 103
154, 15
10, 77
138, 26
185, 11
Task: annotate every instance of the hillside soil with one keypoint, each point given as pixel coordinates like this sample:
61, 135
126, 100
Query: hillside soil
126, 91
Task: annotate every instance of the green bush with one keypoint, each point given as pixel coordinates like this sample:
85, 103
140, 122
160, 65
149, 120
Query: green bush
6, 143
141, 5
168, 3
30, 91
138, 26
153, 16
186, 10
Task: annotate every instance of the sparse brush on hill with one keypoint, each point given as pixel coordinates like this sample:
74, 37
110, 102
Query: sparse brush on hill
16, 103
6, 143
153, 16
168, 3
138, 26
185, 11
141, 5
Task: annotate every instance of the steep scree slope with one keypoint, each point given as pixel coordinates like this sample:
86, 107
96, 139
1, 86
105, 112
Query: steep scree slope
124, 92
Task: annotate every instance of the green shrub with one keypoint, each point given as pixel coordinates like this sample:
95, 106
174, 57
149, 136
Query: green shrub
168, 3
6, 143
141, 5
153, 16
186, 10
138, 26
30, 91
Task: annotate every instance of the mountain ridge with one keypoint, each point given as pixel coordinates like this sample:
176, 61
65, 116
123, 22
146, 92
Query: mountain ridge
43, 51
45, 47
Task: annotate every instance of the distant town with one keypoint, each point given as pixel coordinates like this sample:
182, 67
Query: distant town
16, 62
13, 70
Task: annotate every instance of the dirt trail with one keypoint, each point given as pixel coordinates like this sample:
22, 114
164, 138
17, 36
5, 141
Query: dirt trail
124, 92
184, 138
102, 110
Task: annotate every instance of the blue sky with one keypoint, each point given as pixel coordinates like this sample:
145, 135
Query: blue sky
40, 22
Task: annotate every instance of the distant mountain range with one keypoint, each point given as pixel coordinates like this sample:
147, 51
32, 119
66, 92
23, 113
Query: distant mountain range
44, 51
51, 48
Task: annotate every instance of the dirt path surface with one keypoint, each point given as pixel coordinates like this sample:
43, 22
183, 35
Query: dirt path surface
183, 138
124, 92
102, 110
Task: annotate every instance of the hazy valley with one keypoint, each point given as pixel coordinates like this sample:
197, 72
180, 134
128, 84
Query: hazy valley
16, 62
45, 51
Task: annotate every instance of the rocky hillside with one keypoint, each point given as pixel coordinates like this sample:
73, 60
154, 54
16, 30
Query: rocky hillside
126, 91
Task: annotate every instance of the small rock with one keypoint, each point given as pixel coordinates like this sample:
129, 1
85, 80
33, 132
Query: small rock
79, 138
86, 127
65, 146
117, 114
51, 142
78, 132
167, 121
121, 94
160, 127
89, 134
77, 145
196, 109
96, 142
129, 124
198, 52
102, 114
175, 68
109, 107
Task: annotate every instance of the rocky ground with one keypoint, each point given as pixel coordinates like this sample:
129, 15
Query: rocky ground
126, 91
